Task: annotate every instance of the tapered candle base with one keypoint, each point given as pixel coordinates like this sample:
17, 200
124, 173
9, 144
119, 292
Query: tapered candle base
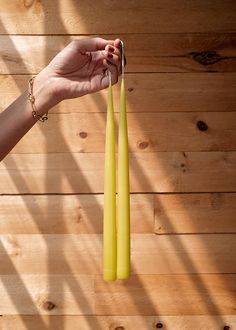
109, 276
123, 274
123, 217
109, 216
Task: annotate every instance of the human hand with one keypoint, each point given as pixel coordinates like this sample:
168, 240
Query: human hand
81, 67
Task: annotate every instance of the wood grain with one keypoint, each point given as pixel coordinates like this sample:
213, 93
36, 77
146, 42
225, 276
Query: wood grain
195, 213
148, 132
57, 294
166, 295
181, 63
82, 214
149, 172
67, 17
68, 214
140, 295
146, 93
155, 52
150, 254
180, 322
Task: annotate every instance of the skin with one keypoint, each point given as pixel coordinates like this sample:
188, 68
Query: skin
79, 69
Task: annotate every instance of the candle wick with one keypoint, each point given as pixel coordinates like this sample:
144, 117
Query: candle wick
109, 76
122, 59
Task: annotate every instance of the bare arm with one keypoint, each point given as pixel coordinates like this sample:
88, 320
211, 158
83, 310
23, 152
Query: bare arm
77, 70
17, 119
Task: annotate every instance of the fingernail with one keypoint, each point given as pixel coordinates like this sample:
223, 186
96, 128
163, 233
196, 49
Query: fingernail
110, 56
111, 49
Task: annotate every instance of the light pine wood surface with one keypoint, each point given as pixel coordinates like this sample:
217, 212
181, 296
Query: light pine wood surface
149, 172
152, 52
180, 79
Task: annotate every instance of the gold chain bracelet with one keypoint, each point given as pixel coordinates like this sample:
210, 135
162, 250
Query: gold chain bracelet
31, 98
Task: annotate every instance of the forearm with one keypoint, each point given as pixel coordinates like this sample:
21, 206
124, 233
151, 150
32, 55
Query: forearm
17, 119
79, 69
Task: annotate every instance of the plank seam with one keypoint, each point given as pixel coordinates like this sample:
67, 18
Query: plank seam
132, 193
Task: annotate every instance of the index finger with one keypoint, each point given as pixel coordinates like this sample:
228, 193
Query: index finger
92, 45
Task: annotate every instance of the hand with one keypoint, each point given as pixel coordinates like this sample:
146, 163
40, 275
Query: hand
82, 67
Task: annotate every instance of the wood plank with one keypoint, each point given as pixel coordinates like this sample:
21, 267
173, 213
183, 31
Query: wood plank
146, 93
56, 294
67, 214
167, 295
193, 62
81, 214
195, 213
145, 53
149, 172
150, 254
67, 17
148, 132
180, 322
140, 295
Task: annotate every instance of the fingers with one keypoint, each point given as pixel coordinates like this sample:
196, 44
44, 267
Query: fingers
118, 46
100, 57
117, 43
91, 45
111, 55
98, 48
114, 55
95, 44
113, 50
113, 70
113, 62
104, 51
113, 59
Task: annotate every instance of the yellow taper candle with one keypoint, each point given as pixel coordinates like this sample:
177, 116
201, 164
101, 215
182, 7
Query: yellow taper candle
123, 216
109, 217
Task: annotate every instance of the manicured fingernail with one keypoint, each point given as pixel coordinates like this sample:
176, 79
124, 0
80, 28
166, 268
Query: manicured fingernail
111, 49
110, 55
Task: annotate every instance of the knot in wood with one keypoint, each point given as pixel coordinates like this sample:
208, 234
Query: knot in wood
183, 166
202, 126
48, 305
206, 58
143, 145
83, 135
159, 325
130, 89
226, 327
28, 3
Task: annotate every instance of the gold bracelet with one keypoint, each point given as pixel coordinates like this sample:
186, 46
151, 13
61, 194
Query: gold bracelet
31, 98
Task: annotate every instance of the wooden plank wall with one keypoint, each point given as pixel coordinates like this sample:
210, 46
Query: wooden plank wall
181, 94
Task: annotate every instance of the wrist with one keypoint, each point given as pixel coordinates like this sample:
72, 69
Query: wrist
43, 92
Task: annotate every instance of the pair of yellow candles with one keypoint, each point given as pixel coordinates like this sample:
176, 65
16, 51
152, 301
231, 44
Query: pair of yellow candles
116, 234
